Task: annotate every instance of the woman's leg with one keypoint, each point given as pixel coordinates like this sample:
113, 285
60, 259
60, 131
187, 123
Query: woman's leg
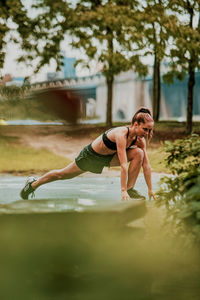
136, 161
135, 156
72, 170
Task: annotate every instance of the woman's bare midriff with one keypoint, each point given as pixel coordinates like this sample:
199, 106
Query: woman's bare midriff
99, 147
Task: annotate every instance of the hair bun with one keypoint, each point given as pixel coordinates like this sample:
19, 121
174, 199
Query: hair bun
144, 110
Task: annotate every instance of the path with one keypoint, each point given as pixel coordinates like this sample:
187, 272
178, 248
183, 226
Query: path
76, 194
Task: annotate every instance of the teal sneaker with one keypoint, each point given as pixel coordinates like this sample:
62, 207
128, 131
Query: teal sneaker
27, 190
134, 194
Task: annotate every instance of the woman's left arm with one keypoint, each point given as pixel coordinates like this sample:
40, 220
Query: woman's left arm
146, 168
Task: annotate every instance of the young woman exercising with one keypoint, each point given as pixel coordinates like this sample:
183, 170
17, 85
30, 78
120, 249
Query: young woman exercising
115, 147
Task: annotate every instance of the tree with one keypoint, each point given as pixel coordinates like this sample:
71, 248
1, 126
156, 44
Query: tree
48, 29
101, 29
157, 25
13, 15
104, 30
185, 52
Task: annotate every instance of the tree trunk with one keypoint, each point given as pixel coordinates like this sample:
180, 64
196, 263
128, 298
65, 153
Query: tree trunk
191, 80
156, 88
191, 83
109, 82
109, 78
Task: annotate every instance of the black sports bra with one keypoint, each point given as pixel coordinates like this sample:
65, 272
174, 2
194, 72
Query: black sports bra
112, 145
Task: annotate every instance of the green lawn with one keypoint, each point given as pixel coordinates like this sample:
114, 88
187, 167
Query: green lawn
157, 159
16, 158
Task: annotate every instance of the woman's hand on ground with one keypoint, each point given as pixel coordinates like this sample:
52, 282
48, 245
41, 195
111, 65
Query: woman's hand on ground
151, 194
125, 196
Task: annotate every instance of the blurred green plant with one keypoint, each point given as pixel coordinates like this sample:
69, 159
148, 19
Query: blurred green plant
180, 193
12, 93
15, 26
15, 104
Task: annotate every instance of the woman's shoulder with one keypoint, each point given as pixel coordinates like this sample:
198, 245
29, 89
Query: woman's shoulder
120, 130
123, 128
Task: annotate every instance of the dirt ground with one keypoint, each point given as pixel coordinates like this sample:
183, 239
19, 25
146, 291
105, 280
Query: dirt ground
66, 146
54, 138
69, 140
61, 140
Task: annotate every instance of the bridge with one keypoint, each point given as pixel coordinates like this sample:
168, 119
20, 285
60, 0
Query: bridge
129, 93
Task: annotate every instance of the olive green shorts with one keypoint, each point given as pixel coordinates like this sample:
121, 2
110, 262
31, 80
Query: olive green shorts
89, 160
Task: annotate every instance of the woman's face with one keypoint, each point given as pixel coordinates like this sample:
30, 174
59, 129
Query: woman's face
143, 129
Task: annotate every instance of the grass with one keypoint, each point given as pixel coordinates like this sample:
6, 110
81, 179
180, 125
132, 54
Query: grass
23, 109
157, 159
19, 159
169, 125
16, 158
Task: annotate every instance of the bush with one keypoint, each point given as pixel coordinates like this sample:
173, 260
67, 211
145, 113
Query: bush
180, 193
16, 104
12, 93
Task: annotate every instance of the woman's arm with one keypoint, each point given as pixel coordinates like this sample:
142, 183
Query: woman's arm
121, 152
146, 168
147, 175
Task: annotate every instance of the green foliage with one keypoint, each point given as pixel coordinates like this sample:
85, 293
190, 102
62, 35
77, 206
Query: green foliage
114, 33
157, 27
14, 18
184, 54
180, 193
12, 93
110, 33
15, 104
12, 102
104, 31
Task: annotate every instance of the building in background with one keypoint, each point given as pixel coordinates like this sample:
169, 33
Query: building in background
17, 81
174, 99
129, 93
6, 78
67, 70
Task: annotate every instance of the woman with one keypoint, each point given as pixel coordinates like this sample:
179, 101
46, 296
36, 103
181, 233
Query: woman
115, 147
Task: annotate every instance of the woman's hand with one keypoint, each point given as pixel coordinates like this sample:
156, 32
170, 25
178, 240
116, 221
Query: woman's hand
125, 196
151, 194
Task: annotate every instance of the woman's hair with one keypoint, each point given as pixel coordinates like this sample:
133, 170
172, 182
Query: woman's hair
143, 115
